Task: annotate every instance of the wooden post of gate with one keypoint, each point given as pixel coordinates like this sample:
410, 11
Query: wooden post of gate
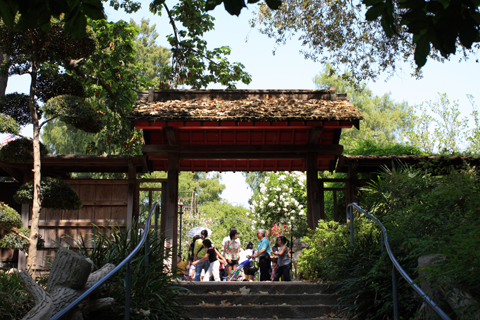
172, 204
131, 193
313, 198
321, 199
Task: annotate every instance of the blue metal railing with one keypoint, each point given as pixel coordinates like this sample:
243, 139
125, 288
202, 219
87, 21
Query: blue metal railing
128, 281
396, 265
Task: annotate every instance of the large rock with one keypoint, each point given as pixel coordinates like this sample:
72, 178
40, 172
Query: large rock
447, 295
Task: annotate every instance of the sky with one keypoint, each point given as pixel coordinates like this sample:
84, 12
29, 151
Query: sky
288, 69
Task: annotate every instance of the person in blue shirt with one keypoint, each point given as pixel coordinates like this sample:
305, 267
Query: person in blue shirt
263, 251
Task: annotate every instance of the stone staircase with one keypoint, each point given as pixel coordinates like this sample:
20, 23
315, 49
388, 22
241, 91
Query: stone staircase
259, 300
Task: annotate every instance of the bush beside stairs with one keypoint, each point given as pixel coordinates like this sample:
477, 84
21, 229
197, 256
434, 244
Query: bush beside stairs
259, 300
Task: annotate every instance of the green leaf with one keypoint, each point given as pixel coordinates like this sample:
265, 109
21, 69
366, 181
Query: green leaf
273, 4
375, 11
8, 10
422, 49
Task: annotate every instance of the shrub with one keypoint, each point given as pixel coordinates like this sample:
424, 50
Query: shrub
14, 301
56, 194
153, 294
20, 150
423, 214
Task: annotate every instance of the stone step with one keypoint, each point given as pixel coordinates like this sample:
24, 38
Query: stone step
243, 318
270, 312
255, 287
263, 299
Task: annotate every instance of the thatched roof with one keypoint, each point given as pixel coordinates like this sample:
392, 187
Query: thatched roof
250, 107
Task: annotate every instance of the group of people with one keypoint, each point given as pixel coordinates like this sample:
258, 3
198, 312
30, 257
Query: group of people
206, 262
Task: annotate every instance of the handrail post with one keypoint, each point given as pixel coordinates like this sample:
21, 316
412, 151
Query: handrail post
147, 250
395, 294
157, 214
350, 216
128, 289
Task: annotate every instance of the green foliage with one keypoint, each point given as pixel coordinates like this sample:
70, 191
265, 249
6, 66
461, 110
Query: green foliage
152, 57
25, 46
76, 112
20, 150
112, 77
62, 138
281, 205
337, 33
14, 300
235, 6
194, 64
438, 127
50, 85
445, 26
384, 120
369, 147
14, 241
15, 105
9, 218
8, 124
56, 194
423, 214
153, 291
38, 14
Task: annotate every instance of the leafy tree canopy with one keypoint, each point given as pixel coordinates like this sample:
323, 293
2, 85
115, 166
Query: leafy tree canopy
439, 127
371, 42
438, 26
385, 119
152, 57
20, 150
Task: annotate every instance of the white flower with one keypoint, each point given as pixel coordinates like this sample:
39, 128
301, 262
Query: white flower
300, 206
300, 213
271, 204
293, 218
281, 178
248, 213
263, 221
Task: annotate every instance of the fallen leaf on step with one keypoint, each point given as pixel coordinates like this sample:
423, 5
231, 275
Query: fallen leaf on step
230, 292
283, 304
207, 290
263, 292
244, 290
330, 314
219, 292
225, 303
275, 316
278, 292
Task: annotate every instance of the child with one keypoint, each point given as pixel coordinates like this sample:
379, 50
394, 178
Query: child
274, 260
181, 267
274, 269
191, 269
214, 257
283, 260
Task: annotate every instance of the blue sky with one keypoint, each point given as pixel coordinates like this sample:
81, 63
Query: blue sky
287, 69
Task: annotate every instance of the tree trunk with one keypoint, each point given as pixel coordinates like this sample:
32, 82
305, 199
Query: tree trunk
3, 80
37, 202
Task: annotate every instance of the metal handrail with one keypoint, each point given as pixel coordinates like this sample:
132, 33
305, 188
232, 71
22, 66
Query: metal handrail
111, 273
396, 265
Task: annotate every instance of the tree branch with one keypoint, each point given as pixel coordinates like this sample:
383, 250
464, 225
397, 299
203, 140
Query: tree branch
174, 26
48, 120
14, 230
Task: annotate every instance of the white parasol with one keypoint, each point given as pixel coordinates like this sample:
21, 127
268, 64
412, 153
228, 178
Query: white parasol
196, 231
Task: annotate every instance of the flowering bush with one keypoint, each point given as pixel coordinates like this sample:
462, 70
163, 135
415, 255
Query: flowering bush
280, 206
